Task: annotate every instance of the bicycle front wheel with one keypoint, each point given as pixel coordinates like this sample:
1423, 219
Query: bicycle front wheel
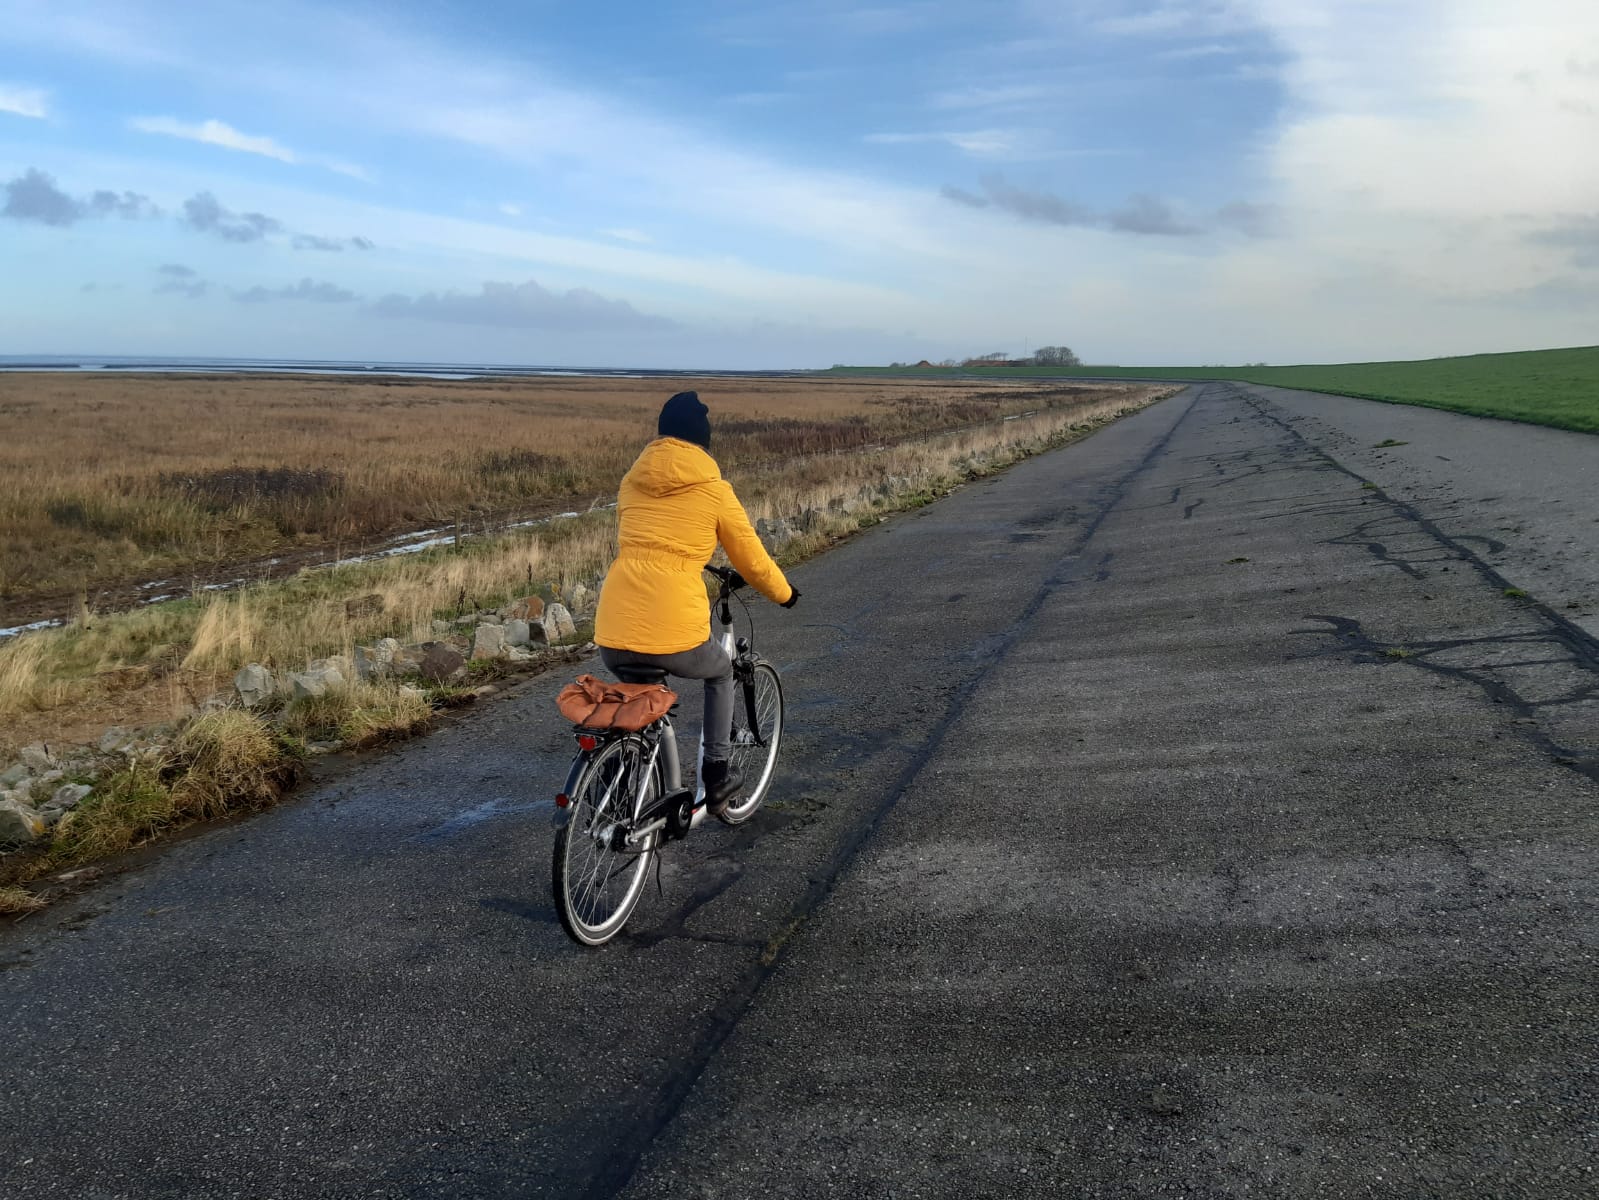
754, 749
597, 878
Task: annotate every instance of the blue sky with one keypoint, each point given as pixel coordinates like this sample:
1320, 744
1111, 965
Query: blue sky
748, 184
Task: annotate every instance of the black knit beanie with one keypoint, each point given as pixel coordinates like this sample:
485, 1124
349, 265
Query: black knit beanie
683, 416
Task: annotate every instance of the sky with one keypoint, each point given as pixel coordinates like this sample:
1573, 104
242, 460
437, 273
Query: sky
742, 184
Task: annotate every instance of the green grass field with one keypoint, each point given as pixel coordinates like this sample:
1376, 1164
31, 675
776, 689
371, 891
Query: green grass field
1544, 387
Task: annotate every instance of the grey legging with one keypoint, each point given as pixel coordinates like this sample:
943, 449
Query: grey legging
708, 662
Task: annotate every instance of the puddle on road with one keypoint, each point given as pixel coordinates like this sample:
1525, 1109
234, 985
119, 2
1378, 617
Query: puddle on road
475, 816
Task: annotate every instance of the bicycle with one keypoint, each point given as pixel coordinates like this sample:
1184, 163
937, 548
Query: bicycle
624, 796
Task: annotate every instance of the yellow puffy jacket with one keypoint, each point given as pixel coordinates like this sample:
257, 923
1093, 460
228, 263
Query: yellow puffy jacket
673, 507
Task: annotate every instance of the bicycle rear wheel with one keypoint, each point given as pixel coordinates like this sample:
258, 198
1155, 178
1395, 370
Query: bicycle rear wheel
596, 878
754, 749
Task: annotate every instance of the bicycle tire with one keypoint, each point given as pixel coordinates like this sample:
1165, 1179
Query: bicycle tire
596, 887
755, 762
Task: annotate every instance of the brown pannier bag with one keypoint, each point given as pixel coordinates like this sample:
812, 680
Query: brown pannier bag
596, 704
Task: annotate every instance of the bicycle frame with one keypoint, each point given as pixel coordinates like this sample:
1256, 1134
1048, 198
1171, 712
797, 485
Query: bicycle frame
664, 737
629, 786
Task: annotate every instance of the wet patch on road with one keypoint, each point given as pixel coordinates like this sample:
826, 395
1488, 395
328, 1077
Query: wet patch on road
471, 818
516, 906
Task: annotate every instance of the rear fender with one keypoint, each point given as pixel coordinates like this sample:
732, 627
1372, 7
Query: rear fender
561, 815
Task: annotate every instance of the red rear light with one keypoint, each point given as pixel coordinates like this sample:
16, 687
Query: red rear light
562, 800
587, 740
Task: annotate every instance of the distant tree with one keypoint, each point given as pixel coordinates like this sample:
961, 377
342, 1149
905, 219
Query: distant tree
1056, 356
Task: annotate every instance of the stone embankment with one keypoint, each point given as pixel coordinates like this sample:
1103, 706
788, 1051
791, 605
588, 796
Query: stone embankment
46, 783
517, 633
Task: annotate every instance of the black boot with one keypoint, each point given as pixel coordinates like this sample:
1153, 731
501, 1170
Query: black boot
722, 783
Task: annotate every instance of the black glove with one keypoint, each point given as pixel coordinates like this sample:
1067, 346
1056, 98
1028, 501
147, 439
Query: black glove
792, 600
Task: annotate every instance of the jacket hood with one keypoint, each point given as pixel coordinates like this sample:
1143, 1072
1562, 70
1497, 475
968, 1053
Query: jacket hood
669, 465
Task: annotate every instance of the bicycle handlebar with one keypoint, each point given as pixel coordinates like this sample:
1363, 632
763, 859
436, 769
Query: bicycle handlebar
730, 578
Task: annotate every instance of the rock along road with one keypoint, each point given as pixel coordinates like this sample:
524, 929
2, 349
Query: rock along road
1195, 811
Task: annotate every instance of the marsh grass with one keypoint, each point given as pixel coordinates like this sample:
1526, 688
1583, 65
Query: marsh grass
169, 474
16, 901
360, 715
219, 763
229, 760
125, 810
187, 649
224, 761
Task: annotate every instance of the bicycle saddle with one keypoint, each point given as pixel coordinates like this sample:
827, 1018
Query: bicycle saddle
641, 674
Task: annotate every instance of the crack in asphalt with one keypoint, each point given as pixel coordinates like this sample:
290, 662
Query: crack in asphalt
1560, 644
1583, 644
1477, 875
1352, 637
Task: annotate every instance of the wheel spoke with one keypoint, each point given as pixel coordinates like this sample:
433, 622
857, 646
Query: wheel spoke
596, 884
756, 750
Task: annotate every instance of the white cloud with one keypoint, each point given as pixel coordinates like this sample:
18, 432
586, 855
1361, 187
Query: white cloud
1429, 138
511, 210
24, 101
1202, 50
220, 133
760, 99
721, 281
979, 143
214, 133
782, 24
628, 235
526, 305
1184, 18
1427, 176
307, 289
537, 124
996, 96
344, 168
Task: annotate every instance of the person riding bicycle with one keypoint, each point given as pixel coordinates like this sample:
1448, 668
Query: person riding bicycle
672, 510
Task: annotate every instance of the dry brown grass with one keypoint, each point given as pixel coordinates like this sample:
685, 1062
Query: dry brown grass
362, 714
125, 810
230, 760
15, 901
156, 663
222, 761
219, 763
104, 478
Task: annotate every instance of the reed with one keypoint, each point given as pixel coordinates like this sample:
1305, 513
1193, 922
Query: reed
159, 661
182, 475
165, 657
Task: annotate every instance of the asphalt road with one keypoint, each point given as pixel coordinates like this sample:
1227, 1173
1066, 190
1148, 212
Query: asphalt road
1189, 812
